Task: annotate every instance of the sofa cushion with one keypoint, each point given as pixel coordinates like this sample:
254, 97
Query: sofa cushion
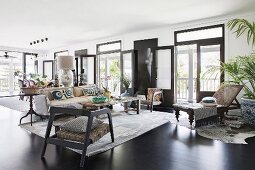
78, 91
81, 99
68, 93
58, 95
79, 124
91, 91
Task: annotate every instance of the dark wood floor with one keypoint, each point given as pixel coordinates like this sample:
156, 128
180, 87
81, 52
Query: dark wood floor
168, 147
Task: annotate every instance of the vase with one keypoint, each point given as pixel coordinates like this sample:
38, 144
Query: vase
125, 94
107, 94
248, 110
66, 77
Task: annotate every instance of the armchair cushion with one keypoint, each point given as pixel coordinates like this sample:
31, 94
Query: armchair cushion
154, 95
95, 134
79, 124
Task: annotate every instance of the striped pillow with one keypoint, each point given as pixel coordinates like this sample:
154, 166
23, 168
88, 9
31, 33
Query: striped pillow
90, 91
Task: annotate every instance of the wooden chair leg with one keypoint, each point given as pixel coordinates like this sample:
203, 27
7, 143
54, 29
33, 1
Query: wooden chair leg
86, 142
51, 119
177, 114
111, 127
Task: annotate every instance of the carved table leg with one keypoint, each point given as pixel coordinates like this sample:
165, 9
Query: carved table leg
177, 114
191, 117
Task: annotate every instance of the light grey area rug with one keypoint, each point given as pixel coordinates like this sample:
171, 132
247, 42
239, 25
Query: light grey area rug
129, 126
125, 126
15, 104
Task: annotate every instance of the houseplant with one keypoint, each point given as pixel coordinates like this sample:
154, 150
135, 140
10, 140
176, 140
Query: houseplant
241, 69
126, 81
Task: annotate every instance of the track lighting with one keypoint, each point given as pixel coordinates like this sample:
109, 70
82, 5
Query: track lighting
38, 41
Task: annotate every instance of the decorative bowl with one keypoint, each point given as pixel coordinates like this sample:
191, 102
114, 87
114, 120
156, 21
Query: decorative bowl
99, 99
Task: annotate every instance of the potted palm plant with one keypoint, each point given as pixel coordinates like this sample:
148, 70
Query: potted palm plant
241, 70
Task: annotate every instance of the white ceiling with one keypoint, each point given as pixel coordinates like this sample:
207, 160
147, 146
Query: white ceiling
67, 22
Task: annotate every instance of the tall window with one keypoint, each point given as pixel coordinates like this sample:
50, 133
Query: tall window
9, 83
109, 66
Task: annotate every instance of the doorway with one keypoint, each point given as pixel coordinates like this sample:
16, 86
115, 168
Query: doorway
195, 55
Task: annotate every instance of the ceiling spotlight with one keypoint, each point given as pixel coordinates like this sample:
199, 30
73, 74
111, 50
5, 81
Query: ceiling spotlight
37, 41
34, 42
46, 39
31, 43
42, 40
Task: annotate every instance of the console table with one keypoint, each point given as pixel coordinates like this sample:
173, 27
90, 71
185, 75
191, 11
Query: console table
31, 110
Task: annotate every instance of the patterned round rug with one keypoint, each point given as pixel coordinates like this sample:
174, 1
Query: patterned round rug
232, 130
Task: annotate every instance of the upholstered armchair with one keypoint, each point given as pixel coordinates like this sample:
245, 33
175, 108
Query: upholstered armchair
154, 98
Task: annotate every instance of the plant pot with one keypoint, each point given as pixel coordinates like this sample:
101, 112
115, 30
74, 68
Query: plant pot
125, 94
248, 110
31, 90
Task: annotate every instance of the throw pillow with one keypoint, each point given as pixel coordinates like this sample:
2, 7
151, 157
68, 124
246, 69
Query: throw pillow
68, 93
90, 91
79, 124
58, 95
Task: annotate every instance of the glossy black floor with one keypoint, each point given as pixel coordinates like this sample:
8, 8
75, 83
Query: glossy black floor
168, 147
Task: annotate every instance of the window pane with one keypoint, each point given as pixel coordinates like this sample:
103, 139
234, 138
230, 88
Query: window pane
127, 66
30, 64
164, 69
88, 66
8, 82
200, 34
210, 57
109, 68
186, 72
109, 47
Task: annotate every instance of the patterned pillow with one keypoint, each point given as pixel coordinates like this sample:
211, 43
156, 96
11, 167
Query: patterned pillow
58, 95
90, 91
68, 93
79, 124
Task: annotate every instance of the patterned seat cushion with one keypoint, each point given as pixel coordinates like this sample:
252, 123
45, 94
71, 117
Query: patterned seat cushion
95, 134
79, 124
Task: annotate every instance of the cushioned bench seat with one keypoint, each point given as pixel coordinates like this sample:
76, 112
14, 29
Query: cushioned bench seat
95, 134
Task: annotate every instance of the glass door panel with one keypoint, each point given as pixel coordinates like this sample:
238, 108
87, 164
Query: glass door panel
8, 82
128, 69
163, 65
109, 72
162, 74
210, 55
186, 73
88, 68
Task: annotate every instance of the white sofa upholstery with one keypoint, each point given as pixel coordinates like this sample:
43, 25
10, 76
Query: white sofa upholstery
45, 99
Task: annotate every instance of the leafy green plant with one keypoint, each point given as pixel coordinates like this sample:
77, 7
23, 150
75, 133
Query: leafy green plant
126, 81
242, 26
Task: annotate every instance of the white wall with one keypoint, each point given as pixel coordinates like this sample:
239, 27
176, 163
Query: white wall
165, 35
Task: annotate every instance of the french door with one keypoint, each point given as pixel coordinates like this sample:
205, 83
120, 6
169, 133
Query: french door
128, 69
162, 73
193, 80
210, 54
